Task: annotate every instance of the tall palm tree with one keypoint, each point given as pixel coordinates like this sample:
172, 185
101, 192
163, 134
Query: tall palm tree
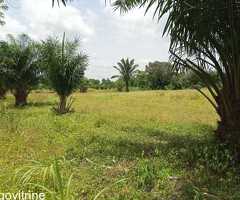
3, 7
204, 38
127, 69
19, 65
65, 68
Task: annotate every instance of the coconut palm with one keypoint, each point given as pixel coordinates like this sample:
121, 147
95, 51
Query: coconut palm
205, 38
127, 69
19, 64
65, 68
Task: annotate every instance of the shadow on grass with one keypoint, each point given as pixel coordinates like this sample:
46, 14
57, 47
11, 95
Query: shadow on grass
201, 160
29, 105
153, 143
40, 104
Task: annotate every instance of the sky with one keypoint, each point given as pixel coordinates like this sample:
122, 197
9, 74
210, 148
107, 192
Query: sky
106, 36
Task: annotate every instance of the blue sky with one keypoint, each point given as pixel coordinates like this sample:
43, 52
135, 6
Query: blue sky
106, 36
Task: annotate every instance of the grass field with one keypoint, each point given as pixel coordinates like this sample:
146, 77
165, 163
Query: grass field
142, 145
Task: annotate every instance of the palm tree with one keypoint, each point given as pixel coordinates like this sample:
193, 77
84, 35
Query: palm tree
205, 38
127, 69
19, 64
3, 7
65, 68
3, 88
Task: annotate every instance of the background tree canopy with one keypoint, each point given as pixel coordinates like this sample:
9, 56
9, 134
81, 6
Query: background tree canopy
159, 74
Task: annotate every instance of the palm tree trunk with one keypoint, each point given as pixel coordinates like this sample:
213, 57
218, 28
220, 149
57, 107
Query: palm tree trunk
20, 97
228, 130
127, 86
2, 93
62, 104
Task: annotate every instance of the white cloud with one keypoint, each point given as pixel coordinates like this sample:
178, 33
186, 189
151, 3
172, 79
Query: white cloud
39, 19
12, 26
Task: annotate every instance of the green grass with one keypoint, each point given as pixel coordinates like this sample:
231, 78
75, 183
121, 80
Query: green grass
142, 145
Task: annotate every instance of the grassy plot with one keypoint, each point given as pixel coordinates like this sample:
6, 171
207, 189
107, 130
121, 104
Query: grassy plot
141, 145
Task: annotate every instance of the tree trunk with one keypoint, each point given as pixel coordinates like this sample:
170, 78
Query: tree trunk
228, 130
2, 93
127, 86
63, 104
20, 97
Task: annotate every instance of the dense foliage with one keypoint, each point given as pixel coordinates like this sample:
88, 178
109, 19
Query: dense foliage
159, 74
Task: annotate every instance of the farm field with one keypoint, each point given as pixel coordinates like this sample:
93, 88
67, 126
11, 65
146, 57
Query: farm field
140, 145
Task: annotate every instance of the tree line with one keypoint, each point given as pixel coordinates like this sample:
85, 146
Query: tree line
57, 64
156, 76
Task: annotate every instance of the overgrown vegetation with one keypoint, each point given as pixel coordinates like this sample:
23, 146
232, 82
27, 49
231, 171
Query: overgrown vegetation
116, 150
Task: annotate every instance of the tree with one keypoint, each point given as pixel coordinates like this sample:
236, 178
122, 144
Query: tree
65, 67
3, 88
3, 7
94, 83
107, 84
204, 36
83, 86
19, 64
127, 69
140, 80
159, 74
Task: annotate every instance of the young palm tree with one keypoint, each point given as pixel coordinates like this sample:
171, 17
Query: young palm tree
50, 177
19, 64
127, 68
65, 68
204, 38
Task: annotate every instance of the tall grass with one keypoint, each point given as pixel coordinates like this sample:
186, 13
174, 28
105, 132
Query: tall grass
48, 178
